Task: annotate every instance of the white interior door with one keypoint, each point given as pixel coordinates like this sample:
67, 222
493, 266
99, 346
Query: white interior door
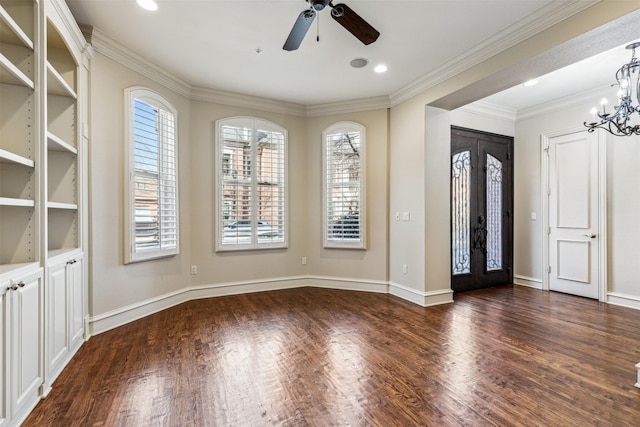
574, 214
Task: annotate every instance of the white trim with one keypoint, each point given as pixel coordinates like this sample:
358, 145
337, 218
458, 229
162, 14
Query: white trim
563, 103
424, 299
253, 123
529, 282
112, 319
125, 56
155, 100
351, 106
637, 384
487, 109
361, 242
247, 101
624, 300
602, 206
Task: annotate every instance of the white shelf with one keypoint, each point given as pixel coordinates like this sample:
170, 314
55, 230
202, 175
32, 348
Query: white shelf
59, 205
9, 157
12, 75
62, 252
10, 31
7, 201
57, 85
55, 143
16, 268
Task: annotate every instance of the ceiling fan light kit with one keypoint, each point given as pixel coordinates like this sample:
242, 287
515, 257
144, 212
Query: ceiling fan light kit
617, 122
341, 13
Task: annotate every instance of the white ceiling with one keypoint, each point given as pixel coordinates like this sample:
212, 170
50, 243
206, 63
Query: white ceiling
212, 43
578, 79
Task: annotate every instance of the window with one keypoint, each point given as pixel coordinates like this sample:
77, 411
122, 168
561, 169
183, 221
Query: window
152, 205
344, 186
251, 184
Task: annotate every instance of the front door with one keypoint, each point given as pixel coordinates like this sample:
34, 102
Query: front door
573, 214
481, 209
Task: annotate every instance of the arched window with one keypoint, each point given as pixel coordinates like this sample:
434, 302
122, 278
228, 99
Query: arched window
251, 184
344, 185
152, 176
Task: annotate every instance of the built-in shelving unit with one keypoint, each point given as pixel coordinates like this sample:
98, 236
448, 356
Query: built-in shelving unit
62, 142
43, 83
18, 136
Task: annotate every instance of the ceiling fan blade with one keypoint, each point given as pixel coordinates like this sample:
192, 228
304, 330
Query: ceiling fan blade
299, 30
353, 23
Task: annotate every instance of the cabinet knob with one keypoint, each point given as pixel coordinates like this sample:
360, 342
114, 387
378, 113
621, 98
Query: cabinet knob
13, 287
21, 284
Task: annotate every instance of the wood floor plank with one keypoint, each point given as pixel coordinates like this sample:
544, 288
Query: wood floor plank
507, 356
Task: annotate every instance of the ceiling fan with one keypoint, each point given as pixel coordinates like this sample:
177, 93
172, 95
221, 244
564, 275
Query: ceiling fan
342, 13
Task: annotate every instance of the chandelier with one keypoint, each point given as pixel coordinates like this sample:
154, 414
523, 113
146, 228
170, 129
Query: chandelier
617, 121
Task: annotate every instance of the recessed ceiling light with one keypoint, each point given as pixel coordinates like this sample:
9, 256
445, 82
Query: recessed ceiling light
147, 4
380, 68
359, 63
528, 83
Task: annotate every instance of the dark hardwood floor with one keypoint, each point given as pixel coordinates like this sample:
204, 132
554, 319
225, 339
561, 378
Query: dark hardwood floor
508, 356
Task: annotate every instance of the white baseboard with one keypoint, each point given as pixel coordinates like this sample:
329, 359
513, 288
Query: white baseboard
425, 299
529, 282
112, 319
624, 300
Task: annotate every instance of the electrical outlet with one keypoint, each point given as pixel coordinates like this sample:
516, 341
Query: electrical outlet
304, 260
194, 269
406, 216
405, 269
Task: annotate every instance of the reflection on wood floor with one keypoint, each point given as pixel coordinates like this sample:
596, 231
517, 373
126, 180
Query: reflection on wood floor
317, 357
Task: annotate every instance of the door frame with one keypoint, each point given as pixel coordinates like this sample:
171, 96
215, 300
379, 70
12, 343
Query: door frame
507, 142
602, 205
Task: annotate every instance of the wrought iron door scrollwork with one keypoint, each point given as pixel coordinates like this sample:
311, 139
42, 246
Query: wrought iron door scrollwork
480, 235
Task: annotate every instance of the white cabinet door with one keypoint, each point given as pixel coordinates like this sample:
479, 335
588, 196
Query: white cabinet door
57, 306
76, 302
64, 314
25, 294
4, 335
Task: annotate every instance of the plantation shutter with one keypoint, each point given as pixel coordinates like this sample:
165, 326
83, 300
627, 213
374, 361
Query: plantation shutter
251, 164
343, 192
154, 231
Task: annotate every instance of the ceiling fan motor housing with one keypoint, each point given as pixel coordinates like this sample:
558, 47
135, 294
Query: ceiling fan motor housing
319, 4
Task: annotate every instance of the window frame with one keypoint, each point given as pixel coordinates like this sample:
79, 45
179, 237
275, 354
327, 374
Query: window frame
329, 243
157, 101
220, 165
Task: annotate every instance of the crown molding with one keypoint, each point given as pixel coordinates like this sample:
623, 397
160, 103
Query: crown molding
110, 48
487, 109
246, 101
542, 19
353, 106
588, 97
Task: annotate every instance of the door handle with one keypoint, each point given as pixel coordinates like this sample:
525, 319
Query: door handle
590, 235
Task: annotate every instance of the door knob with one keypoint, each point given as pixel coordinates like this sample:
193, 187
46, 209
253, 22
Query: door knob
590, 235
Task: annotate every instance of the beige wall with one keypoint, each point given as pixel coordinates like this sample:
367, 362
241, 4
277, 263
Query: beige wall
115, 286
237, 266
112, 284
365, 265
407, 171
